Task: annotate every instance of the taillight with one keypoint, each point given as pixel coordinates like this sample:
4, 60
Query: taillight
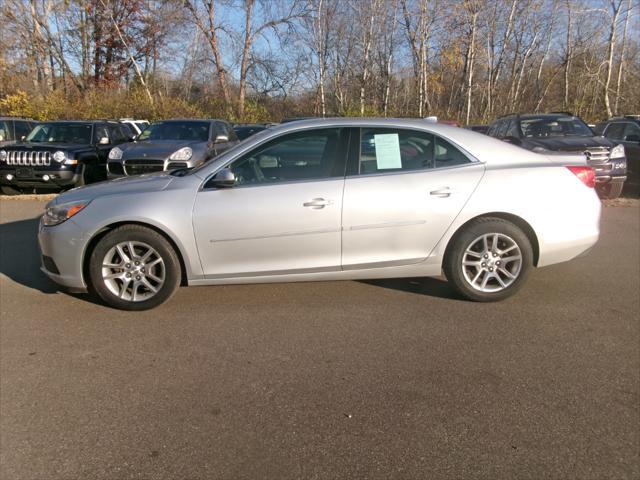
585, 174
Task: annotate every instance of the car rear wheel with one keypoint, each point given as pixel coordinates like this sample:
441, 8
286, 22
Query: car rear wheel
610, 190
489, 260
134, 268
9, 190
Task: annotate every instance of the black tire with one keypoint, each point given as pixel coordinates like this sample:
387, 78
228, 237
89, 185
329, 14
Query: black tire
9, 190
610, 190
466, 239
139, 234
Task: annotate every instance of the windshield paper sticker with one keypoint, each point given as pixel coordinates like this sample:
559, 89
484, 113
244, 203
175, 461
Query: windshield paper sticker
387, 151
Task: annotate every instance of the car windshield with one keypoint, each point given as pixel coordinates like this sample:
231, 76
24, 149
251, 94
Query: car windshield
190, 131
237, 147
246, 132
540, 127
61, 133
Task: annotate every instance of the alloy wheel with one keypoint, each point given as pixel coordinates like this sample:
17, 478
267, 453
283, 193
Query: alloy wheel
492, 262
133, 271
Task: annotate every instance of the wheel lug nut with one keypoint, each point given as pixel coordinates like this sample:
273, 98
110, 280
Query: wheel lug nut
128, 275
486, 256
484, 264
128, 265
137, 277
491, 269
137, 263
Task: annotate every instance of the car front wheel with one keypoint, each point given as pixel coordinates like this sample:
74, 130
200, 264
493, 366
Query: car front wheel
134, 268
489, 260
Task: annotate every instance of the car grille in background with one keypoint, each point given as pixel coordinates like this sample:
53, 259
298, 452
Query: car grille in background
115, 168
597, 155
30, 158
138, 167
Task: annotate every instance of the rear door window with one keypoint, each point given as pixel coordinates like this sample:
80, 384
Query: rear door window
384, 150
447, 155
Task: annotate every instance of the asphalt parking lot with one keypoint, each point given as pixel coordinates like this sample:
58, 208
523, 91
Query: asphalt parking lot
380, 379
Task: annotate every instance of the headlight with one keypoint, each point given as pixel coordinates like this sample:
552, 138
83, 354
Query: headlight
57, 214
182, 154
115, 154
617, 151
3, 155
59, 156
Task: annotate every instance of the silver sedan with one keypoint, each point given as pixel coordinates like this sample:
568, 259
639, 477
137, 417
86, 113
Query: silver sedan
334, 199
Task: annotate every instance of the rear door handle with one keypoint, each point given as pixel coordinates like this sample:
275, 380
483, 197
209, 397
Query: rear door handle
442, 193
317, 203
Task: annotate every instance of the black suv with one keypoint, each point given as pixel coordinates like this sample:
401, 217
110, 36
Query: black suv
13, 129
562, 132
626, 131
59, 155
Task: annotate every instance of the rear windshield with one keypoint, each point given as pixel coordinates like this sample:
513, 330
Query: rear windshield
61, 133
538, 127
191, 131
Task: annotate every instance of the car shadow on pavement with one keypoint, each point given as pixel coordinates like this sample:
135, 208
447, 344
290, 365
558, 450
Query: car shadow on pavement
429, 286
20, 255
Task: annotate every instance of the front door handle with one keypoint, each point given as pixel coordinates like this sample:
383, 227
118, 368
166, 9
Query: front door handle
317, 203
442, 193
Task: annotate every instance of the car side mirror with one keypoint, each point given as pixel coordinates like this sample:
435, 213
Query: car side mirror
632, 138
513, 140
104, 141
225, 178
221, 138
133, 139
23, 138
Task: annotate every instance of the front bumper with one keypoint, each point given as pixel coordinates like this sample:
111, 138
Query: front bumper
61, 248
130, 167
22, 177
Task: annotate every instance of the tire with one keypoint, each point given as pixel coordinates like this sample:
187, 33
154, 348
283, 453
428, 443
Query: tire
9, 190
482, 260
610, 190
129, 286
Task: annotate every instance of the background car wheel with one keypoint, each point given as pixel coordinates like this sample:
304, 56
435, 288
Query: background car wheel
610, 190
8, 190
134, 268
489, 260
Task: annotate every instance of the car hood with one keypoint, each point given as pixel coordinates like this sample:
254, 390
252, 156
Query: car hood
156, 148
569, 144
139, 184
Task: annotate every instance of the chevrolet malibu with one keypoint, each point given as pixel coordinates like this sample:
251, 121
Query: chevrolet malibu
332, 199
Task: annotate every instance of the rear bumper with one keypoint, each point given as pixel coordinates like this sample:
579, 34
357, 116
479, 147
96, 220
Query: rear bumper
574, 234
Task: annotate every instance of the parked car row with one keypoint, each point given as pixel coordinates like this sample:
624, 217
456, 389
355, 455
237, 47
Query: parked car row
65, 154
